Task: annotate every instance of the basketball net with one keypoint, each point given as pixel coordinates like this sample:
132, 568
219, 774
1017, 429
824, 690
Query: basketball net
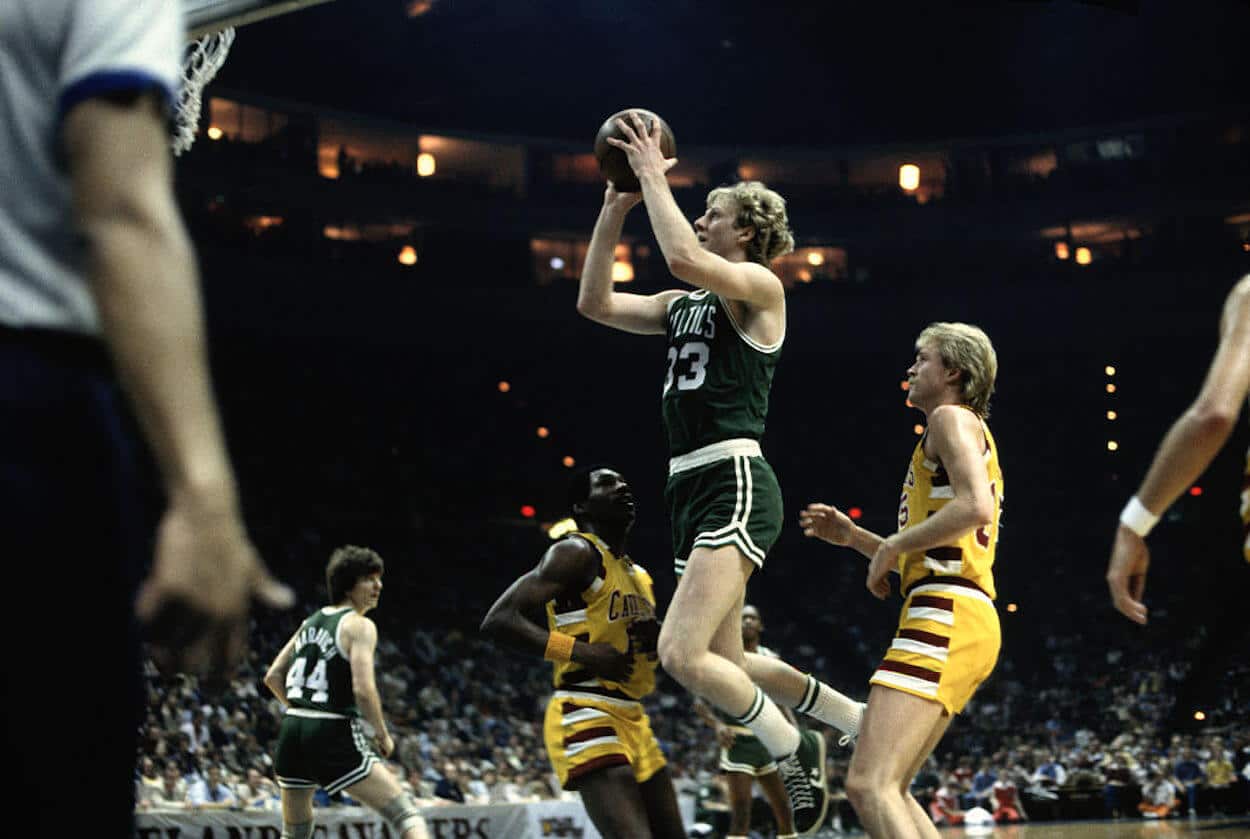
203, 59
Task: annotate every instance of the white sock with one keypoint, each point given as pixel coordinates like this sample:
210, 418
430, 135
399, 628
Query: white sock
770, 726
830, 707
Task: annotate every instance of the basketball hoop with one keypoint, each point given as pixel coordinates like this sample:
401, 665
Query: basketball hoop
204, 58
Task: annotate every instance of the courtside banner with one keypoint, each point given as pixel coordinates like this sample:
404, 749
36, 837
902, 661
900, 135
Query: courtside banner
536, 820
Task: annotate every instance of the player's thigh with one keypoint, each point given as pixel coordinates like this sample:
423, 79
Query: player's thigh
711, 587
377, 789
614, 802
727, 639
894, 733
660, 799
297, 805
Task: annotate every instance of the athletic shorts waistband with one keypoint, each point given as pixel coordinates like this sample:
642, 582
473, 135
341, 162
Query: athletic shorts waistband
721, 450
315, 715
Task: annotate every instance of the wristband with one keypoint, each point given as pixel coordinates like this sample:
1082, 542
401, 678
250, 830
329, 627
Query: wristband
559, 647
1137, 518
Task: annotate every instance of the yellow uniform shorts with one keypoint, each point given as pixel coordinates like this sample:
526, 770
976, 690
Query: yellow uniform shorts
946, 645
585, 733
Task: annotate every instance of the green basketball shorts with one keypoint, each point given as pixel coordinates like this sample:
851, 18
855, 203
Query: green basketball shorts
735, 501
328, 752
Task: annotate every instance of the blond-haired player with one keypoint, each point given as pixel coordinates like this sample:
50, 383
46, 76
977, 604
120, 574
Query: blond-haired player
724, 341
948, 634
1187, 449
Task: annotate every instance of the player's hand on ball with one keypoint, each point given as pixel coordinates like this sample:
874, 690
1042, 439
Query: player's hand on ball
642, 148
823, 521
1126, 574
607, 662
623, 201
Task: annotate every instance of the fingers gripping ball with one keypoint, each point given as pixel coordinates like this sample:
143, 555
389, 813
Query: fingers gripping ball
612, 161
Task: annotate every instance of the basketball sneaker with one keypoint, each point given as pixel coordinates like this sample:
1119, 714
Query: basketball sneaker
803, 775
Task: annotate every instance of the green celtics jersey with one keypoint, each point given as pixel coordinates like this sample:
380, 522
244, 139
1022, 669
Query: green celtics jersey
320, 678
718, 378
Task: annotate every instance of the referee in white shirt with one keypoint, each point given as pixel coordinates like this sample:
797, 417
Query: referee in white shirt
98, 287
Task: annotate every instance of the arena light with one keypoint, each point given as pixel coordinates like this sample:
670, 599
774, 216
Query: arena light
215, 133
1200, 715
1112, 415
815, 258
904, 385
561, 528
1083, 256
408, 255
909, 177
1012, 607
504, 386
855, 513
1109, 370
528, 511
918, 429
543, 432
426, 164
622, 272
557, 264
568, 461
1195, 490
804, 276
1061, 250
1112, 446
1110, 388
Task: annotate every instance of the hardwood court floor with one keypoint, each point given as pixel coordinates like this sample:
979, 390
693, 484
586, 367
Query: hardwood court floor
1233, 828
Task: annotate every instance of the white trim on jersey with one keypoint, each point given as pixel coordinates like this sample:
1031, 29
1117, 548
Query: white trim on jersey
747, 339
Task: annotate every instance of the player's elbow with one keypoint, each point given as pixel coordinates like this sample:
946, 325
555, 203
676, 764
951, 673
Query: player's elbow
982, 511
590, 308
1212, 418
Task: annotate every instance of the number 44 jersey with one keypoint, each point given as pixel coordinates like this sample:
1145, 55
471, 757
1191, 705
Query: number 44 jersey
320, 677
718, 379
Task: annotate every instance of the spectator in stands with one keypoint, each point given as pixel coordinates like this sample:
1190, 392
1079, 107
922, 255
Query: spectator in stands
256, 791
945, 809
1159, 798
149, 775
211, 792
1189, 776
1050, 773
450, 786
1220, 777
171, 794
1005, 796
983, 783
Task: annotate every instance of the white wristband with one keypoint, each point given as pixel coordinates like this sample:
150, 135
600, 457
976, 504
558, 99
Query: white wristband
1137, 518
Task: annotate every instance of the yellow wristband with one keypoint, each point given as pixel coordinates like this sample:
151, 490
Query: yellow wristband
559, 647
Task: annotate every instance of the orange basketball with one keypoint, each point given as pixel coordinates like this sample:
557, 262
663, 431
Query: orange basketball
612, 161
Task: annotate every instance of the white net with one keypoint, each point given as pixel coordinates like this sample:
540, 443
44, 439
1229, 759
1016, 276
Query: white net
204, 58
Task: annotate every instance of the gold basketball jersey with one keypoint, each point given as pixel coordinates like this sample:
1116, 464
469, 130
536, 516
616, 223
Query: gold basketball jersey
618, 608
1245, 511
927, 489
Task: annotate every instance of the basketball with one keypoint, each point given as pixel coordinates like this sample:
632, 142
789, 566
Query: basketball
612, 161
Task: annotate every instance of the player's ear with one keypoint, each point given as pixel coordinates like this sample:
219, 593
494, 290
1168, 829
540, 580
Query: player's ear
745, 234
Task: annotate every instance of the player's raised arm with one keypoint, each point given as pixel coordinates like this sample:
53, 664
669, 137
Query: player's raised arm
568, 567
749, 282
1186, 451
596, 298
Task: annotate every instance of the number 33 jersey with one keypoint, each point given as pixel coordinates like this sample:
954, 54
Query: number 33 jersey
717, 379
927, 489
320, 677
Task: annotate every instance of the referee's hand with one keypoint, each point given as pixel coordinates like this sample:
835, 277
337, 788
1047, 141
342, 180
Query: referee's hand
194, 605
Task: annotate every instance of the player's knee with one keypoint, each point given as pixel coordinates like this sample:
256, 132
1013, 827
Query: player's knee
402, 813
678, 660
303, 830
861, 788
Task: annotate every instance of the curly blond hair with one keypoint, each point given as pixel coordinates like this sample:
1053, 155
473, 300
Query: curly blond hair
765, 212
